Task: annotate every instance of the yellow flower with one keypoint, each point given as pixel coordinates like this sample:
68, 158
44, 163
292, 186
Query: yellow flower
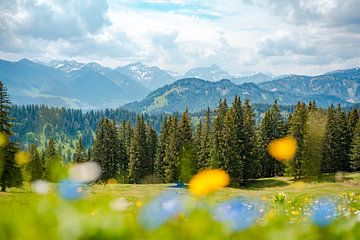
22, 157
208, 181
3, 139
283, 149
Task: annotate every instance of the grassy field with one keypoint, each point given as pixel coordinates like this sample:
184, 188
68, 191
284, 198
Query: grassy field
116, 211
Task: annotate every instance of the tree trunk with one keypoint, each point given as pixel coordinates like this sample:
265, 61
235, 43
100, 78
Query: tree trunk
3, 187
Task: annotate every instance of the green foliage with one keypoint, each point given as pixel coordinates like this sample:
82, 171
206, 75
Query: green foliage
36, 165
355, 149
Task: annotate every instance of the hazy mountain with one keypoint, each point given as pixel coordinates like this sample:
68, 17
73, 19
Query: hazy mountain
150, 77
69, 84
212, 73
254, 78
197, 94
343, 84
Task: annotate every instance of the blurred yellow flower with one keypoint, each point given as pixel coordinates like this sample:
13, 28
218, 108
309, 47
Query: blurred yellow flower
283, 149
111, 181
22, 157
208, 181
3, 139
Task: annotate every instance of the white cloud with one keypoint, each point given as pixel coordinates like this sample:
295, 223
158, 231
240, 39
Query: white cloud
301, 36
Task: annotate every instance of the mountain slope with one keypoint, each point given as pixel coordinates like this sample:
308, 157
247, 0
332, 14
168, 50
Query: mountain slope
344, 84
150, 77
197, 94
211, 73
68, 85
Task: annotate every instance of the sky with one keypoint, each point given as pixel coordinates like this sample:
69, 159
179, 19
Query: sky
272, 36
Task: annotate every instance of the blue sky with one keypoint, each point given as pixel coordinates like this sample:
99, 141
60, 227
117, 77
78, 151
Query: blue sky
280, 37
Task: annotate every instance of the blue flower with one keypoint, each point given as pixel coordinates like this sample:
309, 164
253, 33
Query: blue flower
69, 189
167, 205
239, 213
323, 212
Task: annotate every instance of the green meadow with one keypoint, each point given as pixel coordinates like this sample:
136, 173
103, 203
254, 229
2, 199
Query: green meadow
99, 214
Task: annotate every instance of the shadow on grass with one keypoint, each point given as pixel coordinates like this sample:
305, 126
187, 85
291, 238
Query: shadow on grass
264, 183
329, 177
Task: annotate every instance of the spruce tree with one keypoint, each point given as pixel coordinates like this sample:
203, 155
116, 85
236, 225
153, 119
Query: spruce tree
217, 160
35, 164
79, 155
297, 130
172, 152
53, 162
271, 127
187, 155
160, 152
138, 162
10, 174
353, 118
355, 149
205, 143
312, 151
329, 162
344, 139
88, 157
252, 168
151, 143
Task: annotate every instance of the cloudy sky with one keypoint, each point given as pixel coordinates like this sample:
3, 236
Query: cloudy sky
280, 37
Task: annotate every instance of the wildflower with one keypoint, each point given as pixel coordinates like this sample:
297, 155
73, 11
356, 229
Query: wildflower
166, 206
324, 212
238, 214
119, 204
208, 181
283, 149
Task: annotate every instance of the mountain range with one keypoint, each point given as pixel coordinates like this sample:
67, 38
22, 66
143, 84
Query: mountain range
138, 87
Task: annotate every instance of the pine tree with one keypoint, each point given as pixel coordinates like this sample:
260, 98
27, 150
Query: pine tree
252, 168
205, 143
151, 143
271, 127
138, 162
344, 139
197, 144
355, 149
312, 152
187, 165
329, 162
35, 164
297, 130
79, 155
217, 160
172, 152
9, 172
53, 164
353, 118
160, 152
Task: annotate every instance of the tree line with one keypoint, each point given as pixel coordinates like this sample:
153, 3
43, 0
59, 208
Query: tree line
228, 137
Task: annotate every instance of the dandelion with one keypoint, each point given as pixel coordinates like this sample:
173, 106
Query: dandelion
166, 206
238, 214
208, 181
283, 149
22, 157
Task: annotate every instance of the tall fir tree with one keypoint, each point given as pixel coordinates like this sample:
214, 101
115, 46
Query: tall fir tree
88, 157
344, 139
312, 152
172, 152
53, 162
355, 149
151, 143
329, 162
186, 145
205, 143
10, 174
353, 118
216, 155
35, 165
297, 130
271, 127
160, 152
138, 162
252, 168
79, 155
